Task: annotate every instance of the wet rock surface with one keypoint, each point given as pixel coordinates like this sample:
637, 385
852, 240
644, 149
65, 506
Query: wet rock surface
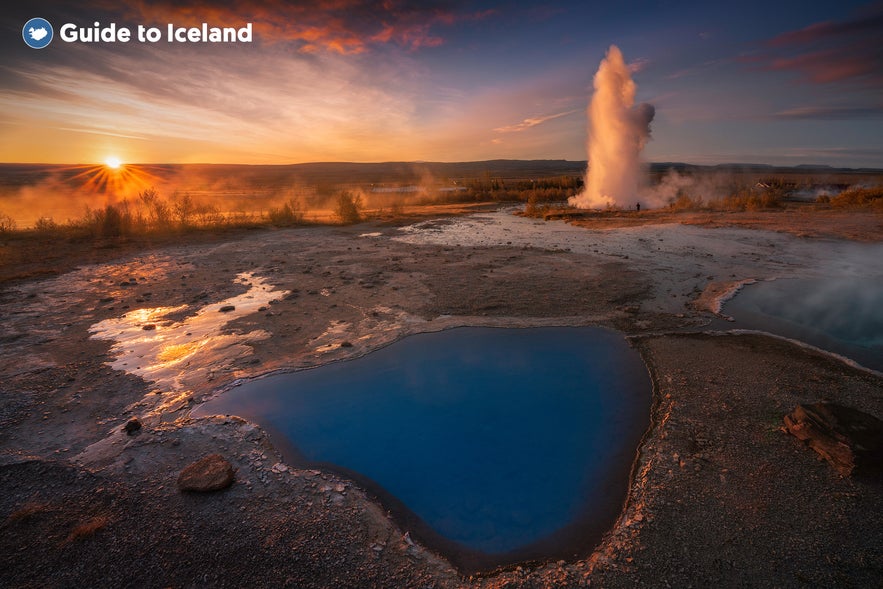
720, 494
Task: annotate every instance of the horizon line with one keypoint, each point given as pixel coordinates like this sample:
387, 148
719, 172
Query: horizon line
431, 162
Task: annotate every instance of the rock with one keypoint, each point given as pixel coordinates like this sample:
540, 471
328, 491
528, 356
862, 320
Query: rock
211, 473
226, 309
849, 439
132, 426
148, 327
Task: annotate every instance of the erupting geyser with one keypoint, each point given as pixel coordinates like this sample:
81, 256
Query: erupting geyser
618, 131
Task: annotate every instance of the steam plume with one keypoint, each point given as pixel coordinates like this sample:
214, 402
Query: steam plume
618, 131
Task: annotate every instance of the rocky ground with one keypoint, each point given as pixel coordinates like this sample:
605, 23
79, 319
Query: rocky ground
720, 495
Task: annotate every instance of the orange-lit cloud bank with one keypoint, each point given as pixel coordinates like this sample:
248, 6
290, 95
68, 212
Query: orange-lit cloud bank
403, 80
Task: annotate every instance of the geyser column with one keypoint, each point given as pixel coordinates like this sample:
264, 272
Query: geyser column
618, 131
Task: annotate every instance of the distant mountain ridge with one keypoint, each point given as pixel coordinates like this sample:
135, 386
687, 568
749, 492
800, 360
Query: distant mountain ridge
12, 175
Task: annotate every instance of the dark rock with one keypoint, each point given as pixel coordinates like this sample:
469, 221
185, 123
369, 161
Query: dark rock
211, 473
849, 439
132, 426
226, 309
346, 344
148, 327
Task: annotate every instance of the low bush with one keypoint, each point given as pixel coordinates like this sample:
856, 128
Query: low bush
7, 224
859, 197
288, 214
348, 208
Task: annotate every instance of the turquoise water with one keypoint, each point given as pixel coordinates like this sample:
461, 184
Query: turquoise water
839, 314
492, 445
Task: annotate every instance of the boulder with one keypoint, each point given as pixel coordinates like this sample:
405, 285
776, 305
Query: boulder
849, 439
132, 426
211, 473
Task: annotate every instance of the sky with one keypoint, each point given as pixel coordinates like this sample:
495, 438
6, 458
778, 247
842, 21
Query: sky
782, 83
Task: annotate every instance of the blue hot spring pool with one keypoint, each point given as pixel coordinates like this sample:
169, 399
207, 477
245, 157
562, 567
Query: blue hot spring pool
490, 445
842, 315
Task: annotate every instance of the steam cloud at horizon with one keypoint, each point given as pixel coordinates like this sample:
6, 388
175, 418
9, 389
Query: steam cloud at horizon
618, 130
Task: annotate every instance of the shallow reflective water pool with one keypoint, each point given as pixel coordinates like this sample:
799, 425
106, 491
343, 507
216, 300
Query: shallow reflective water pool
491, 445
838, 314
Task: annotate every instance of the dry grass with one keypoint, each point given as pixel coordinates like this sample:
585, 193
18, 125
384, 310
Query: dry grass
743, 200
859, 197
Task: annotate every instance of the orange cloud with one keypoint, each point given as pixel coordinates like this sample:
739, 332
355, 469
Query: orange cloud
339, 26
532, 122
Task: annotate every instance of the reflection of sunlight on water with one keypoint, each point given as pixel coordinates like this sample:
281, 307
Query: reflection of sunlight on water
148, 315
177, 352
150, 345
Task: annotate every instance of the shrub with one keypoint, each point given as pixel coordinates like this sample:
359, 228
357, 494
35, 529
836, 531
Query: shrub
183, 208
209, 216
7, 224
537, 205
159, 211
109, 222
685, 202
289, 213
45, 225
348, 208
748, 200
113, 223
859, 197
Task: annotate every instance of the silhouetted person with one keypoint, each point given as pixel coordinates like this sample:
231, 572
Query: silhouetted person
638, 207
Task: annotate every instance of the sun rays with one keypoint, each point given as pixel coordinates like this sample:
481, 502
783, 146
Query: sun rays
114, 178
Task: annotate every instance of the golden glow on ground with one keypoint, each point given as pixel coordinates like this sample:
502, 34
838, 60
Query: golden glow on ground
113, 162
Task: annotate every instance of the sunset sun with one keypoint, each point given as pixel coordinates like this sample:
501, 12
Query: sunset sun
113, 162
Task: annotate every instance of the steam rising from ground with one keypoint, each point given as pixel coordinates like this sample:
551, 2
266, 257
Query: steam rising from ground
618, 131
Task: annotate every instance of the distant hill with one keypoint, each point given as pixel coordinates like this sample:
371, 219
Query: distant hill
267, 177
